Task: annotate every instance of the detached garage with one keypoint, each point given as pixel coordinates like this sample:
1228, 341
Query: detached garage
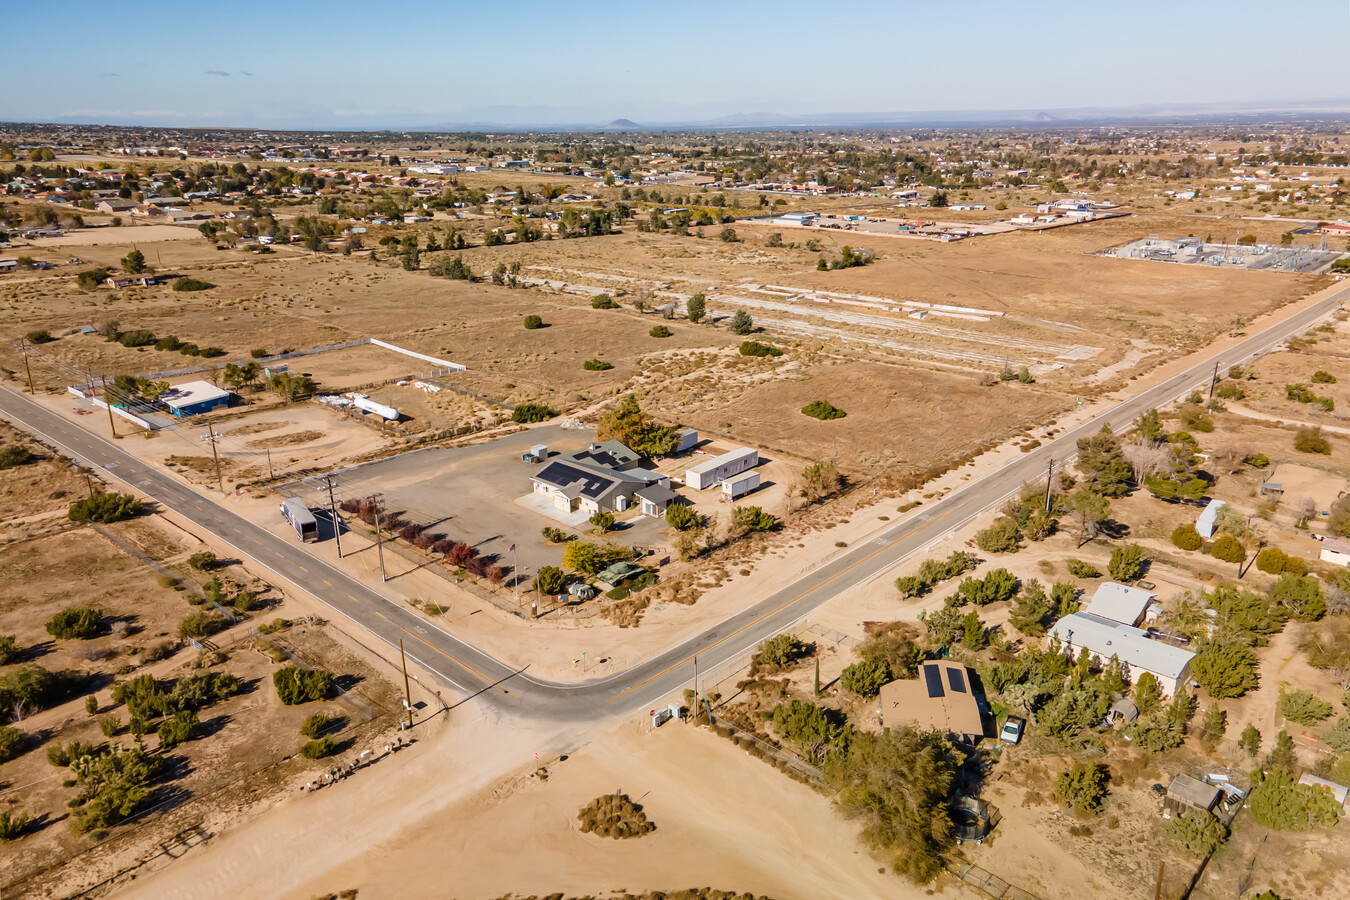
194, 398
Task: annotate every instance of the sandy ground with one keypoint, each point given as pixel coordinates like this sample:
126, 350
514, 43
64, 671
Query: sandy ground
142, 233
738, 825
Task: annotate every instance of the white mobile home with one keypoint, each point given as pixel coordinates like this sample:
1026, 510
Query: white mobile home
1104, 638
740, 485
714, 471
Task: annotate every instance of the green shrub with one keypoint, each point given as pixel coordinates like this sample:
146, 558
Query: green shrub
1083, 787
597, 365
1198, 832
1080, 569
200, 624
12, 825
1282, 805
533, 322
15, 455
781, 651
1304, 708
1228, 549
532, 412
13, 743
180, 729
997, 586
109, 725
258, 352
603, 301
39, 337
1225, 669
324, 746
550, 580
1002, 537
865, 678
192, 284
1127, 562
823, 410
202, 560
314, 724
682, 517
1311, 440
614, 816
553, 535
755, 348
752, 519
1321, 376
1271, 560
1301, 595
78, 623
1230, 391
104, 508
296, 685
9, 649
660, 331
169, 344
1187, 538
138, 338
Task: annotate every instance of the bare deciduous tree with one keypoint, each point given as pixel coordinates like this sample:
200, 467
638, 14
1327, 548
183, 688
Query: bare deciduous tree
1146, 458
1307, 508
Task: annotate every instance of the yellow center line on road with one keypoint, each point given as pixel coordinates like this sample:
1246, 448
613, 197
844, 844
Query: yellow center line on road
303, 569
460, 664
774, 612
352, 597
278, 553
327, 582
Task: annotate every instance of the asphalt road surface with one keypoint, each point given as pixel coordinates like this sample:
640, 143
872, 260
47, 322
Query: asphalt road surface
467, 669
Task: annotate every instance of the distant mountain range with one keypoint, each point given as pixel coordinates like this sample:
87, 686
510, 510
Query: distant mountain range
1140, 114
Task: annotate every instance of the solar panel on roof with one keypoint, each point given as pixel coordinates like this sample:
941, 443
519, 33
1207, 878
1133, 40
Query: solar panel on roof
933, 676
956, 680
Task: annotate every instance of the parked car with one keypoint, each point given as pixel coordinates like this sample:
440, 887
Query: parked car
1012, 730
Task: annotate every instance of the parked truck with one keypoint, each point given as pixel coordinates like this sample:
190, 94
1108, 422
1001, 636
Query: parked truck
302, 520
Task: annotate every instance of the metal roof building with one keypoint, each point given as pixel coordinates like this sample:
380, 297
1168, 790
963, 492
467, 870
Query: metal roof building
194, 398
1104, 638
1119, 603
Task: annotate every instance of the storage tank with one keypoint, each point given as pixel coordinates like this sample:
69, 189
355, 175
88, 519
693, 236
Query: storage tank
385, 412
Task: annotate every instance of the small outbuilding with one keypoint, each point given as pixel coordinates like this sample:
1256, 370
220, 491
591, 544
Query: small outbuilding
655, 498
1120, 603
1339, 791
1336, 552
194, 398
1186, 793
1205, 524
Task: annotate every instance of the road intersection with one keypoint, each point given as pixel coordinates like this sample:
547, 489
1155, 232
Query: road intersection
469, 670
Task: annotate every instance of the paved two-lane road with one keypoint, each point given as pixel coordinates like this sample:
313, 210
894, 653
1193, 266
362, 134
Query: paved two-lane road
470, 670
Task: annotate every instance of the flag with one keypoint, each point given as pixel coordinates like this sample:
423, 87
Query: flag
512, 549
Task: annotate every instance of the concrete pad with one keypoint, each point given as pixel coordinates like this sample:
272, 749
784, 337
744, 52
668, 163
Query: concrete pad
545, 506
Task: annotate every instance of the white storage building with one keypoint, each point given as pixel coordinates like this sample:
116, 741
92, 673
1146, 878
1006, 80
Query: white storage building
1104, 638
739, 485
712, 472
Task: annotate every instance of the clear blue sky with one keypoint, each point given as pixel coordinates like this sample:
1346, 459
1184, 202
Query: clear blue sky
335, 64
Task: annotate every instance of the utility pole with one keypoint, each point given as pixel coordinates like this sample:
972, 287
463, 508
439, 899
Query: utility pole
211, 438
270, 476
1157, 892
515, 569
326, 481
407, 690
1214, 379
107, 401
23, 345
1049, 474
1246, 534
696, 703
379, 535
